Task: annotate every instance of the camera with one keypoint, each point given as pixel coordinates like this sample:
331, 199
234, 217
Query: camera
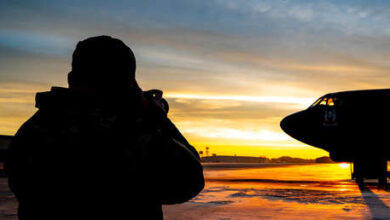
154, 96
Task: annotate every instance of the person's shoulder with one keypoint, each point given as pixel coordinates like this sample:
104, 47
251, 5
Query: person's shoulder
31, 127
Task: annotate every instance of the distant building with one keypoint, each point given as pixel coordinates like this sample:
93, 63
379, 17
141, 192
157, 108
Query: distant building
324, 160
287, 159
4, 143
234, 159
246, 159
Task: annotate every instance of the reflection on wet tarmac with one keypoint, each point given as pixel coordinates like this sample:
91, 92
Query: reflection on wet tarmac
314, 191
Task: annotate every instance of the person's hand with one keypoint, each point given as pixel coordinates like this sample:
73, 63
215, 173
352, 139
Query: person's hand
154, 102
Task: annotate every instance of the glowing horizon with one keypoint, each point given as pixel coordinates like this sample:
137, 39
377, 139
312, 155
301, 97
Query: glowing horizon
302, 102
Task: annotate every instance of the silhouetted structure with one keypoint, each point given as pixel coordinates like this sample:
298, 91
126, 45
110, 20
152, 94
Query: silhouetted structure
102, 148
352, 126
234, 159
324, 160
249, 159
287, 159
5, 140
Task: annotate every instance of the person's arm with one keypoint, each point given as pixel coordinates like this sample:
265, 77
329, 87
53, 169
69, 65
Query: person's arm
182, 173
178, 169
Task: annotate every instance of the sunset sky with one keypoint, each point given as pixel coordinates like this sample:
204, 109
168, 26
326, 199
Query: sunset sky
231, 70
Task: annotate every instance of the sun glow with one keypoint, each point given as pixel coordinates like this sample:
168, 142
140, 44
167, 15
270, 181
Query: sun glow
344, 165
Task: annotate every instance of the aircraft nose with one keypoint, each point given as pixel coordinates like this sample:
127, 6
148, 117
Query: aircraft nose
285, 124
303, 126
290, 123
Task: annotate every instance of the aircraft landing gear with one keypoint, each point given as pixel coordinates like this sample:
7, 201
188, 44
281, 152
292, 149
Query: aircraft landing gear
370, 169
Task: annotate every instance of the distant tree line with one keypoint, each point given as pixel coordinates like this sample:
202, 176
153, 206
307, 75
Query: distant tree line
248, 159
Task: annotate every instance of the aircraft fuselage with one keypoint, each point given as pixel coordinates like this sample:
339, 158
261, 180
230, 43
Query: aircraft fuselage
353, 126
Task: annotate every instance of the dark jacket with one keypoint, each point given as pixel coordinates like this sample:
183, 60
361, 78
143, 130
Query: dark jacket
93, 156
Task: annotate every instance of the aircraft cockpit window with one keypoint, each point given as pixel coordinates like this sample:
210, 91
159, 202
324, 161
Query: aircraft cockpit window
316, 102
330, 102
323, 101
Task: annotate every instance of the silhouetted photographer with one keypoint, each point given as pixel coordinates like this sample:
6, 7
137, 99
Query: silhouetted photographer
102, 148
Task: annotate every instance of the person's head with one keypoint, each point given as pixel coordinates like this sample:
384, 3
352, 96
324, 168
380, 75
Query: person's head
102, 63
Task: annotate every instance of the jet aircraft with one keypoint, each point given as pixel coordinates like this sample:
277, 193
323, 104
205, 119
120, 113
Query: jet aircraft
353, 126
